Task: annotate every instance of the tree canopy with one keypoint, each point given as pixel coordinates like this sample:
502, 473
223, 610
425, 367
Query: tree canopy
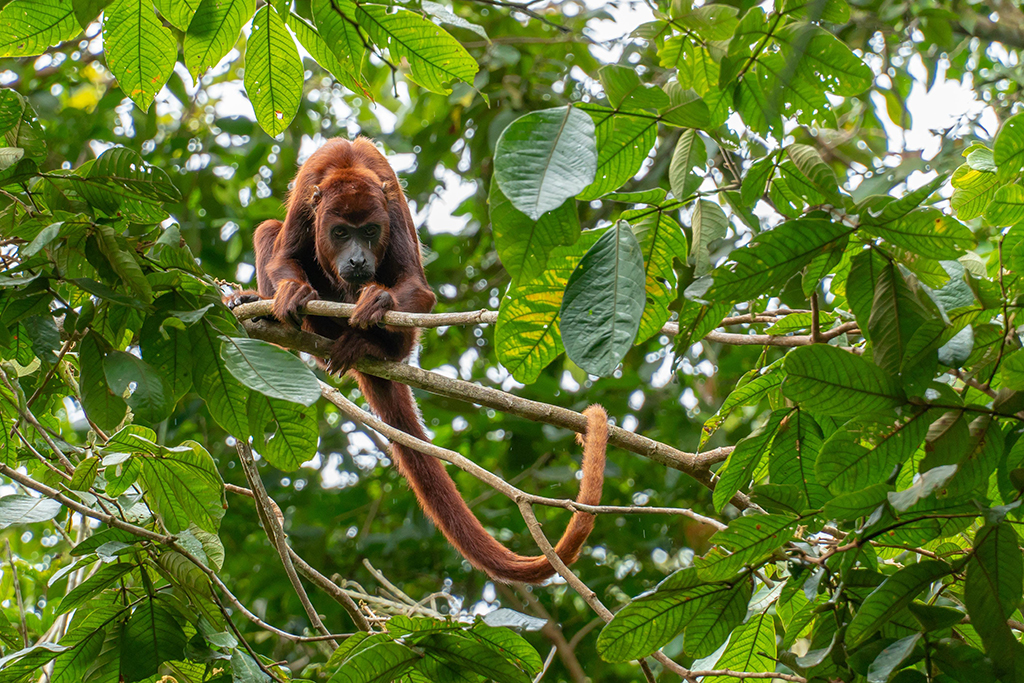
779, 241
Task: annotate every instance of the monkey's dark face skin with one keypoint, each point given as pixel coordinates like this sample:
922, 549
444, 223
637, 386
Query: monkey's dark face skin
352, 224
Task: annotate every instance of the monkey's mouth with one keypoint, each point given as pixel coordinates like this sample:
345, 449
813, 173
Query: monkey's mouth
356, 276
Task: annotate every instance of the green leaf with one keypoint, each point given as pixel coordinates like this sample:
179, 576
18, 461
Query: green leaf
28, 27
768, 262
831, 381
184, 487
889, 598
178, 12
712, 22
341, 34
891, 657
1006, 207
510, 644
379, 663
85, 474
294, 433
124, 262
972, 191
152, 636
793, 457
624, 89
435, 58
753, 386
685, 109
1008, 152
105, 577
750, 540
992, 592
270, 370
524, 244
213, 31
345, 71
103, 406
225, 396
168, 351
927, 232
653, 619
661, 240
850, 506
744, 459
814, 168
17, 509
713, 624
896, 314
469, 654
709, 223
273, 71
689, 153
544, 158
1012, 370
623, 143
527, 336
604, 302
140, 50
751, 647
150, 398
823, 60
868, 447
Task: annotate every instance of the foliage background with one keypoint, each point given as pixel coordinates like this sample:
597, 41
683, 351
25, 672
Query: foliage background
346, 504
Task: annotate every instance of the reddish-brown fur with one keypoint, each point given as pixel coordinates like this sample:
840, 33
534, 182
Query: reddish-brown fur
295, 260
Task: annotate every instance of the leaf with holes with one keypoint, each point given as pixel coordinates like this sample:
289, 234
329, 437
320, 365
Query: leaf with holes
140, 50
273, 71
28, 27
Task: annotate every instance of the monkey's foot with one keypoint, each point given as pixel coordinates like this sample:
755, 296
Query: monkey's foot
236, 299
374, 302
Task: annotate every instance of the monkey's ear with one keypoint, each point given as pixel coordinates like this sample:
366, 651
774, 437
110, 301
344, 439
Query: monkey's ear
316, 195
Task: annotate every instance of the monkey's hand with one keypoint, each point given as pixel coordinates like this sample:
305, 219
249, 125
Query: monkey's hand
374, 302
236, 299
291, 295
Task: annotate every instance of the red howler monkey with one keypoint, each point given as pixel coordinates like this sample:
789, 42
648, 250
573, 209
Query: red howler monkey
348, 236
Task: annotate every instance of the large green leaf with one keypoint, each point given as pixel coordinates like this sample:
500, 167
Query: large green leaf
524, 244
124, 172
813, 167
345, 71
123, 261
830, 381
769, 261
709, 223
896, 314
544, 158
225, 396
868, 447
823, 60
794, 453
104, 407
273, 71
992, 592
167, 350
749, 540
104, 577
623, 142
1006, 207
178, 12
661, 241
625, 90
972, 191
150, 398
745, 458
468, 654
293, 434
688, 154
152, 636
28, 27
752, 387
379, 663
270, 370
715, 622
341, 34
140, 50
927, 232
527, 336
213, 31
183, 487
604, 302
653, 619
17, 509
751, 647
1008, 152
435, 58
889, 598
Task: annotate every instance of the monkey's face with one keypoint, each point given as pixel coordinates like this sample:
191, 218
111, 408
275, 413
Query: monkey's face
352, 228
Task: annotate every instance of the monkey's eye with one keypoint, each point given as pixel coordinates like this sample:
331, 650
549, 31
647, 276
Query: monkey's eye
371, 230
340, 232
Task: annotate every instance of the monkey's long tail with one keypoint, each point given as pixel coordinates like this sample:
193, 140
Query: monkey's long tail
393, 402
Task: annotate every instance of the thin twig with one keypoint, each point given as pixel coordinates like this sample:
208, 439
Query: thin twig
17, 594
275, 532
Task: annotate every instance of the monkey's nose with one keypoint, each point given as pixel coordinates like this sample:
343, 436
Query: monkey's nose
357, 262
